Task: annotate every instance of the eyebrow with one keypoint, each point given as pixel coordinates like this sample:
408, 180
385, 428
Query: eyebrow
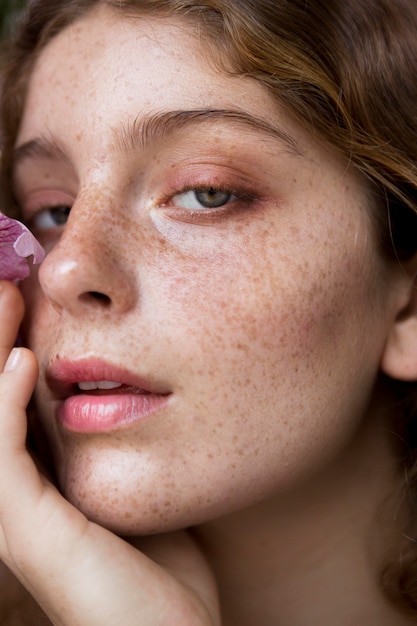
147, 130
41, 147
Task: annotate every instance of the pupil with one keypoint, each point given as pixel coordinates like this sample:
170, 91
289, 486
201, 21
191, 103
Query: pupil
212, 198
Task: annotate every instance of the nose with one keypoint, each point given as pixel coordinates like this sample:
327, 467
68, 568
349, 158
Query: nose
88, 268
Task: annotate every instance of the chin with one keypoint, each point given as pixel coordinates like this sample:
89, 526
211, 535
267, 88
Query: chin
127, 498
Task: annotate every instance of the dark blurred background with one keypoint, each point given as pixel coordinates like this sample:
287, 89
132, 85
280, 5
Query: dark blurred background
8, 10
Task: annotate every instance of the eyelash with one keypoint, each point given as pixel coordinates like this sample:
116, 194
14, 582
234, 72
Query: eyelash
235, 200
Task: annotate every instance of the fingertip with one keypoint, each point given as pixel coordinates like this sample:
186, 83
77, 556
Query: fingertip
14, 360
21, 372
17, 357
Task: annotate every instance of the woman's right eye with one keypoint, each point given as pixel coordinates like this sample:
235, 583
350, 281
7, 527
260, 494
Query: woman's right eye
49, 218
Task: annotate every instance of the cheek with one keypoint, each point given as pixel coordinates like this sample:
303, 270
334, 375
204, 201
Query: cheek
263, 347
256, 300
278, 337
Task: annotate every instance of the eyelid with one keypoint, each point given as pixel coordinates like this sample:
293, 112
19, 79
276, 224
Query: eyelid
241, 201
42, 199
240, 188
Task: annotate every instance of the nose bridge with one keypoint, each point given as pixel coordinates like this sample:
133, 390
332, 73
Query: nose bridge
91, 228
87, 266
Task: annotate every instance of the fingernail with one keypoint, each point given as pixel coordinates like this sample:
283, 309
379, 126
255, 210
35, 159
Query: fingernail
13, 360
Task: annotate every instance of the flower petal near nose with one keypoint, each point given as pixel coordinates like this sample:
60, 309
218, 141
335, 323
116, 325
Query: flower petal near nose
16, 244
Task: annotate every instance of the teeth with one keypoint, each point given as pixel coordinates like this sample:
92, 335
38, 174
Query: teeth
99, 384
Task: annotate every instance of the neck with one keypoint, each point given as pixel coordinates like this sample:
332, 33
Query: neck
315, 555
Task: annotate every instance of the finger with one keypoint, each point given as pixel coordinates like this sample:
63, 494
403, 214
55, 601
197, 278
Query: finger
28, 502
18, 474
17, 383
11, 314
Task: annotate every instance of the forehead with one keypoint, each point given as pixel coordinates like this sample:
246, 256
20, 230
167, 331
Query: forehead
106, 52
120, 66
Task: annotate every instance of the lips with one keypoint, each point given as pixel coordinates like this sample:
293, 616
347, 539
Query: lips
95, 396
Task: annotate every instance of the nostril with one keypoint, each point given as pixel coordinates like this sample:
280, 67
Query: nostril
96, 296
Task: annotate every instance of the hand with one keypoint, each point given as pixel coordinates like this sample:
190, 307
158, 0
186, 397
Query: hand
78, 572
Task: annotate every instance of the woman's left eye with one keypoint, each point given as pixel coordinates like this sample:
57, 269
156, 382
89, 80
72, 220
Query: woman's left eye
200, 199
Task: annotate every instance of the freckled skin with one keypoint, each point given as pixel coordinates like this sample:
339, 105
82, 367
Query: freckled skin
267, 324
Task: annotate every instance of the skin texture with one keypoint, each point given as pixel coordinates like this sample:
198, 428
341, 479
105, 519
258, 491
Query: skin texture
232, 314
266, 320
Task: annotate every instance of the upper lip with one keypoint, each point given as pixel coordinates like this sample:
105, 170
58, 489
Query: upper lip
62, 376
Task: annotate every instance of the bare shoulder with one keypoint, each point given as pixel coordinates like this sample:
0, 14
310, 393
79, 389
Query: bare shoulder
17, 607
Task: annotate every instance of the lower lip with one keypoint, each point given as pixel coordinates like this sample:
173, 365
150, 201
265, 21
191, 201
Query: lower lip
99, 414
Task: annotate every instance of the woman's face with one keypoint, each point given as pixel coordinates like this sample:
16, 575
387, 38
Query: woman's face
210, 317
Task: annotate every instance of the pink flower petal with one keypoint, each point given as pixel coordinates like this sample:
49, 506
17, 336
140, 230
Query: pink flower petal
16, 243
26, 245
